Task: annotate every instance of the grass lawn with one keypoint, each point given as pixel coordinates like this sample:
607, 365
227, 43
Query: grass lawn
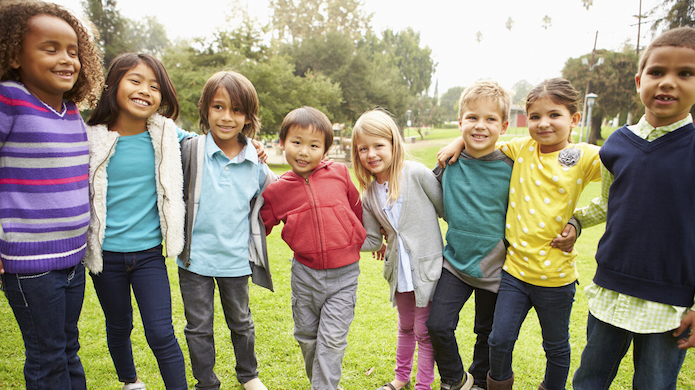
370, 356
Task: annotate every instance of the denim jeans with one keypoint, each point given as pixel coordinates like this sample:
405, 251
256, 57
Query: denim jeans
47, 307
449, 297
657, 358
553, 306
198, 293
146, 273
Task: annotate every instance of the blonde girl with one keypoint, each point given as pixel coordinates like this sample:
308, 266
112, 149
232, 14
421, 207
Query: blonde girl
404, 198
48, 65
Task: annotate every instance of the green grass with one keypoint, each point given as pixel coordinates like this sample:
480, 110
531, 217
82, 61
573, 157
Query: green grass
372, 337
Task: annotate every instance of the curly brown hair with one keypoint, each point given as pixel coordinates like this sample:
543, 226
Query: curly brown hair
14, 19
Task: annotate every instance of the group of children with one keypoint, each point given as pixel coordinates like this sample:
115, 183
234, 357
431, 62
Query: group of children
112, 196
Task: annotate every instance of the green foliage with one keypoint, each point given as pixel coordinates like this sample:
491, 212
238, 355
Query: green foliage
118, 34
680, 14
449, 102
521, 90
613, 82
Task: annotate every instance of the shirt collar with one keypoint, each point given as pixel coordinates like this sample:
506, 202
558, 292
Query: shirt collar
211, 149
643, 128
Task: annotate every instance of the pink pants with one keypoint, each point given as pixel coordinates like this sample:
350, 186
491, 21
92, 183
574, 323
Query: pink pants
411, 328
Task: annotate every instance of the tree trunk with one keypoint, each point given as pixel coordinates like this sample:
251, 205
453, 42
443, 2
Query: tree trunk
595, 129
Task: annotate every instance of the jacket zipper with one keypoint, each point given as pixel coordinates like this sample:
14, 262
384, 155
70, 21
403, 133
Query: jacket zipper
318, 224
164, 194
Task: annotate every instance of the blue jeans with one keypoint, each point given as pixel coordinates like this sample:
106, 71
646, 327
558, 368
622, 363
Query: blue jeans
449, 297
47, 307
198, 293
146, 272
553, 306
657, 358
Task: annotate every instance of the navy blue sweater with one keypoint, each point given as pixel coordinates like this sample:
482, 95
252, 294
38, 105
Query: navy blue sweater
648, 249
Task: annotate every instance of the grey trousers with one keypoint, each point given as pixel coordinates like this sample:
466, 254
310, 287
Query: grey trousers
323, 306
198, 293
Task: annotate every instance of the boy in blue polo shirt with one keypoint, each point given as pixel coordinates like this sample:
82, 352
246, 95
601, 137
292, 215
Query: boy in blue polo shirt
644, 286
225, 240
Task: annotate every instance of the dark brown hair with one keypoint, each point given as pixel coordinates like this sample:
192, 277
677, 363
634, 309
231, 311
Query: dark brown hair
15, 20
308, 117
241, 92
107, 110
677, 37
559, 90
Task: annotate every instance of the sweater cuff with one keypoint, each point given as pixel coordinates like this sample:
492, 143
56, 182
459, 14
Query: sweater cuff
577, 225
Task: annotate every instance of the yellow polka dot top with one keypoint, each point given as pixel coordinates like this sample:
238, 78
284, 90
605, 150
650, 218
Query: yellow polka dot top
543, 193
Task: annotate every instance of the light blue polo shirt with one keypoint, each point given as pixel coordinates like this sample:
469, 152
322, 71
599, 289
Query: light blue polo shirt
220, 237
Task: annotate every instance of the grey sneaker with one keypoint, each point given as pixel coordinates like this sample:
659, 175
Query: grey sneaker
465, 384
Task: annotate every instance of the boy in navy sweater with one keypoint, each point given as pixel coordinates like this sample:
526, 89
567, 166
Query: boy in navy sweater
644, 285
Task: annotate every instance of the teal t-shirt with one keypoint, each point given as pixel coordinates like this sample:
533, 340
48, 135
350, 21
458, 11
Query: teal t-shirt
132, 219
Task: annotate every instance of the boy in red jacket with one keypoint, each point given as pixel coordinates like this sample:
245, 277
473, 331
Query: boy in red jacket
322, 215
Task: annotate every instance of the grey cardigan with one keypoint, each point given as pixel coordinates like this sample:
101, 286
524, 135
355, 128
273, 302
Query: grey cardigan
419, 229
193, 160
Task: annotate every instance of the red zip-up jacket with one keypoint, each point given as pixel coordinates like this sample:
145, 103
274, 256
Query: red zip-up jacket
322, 215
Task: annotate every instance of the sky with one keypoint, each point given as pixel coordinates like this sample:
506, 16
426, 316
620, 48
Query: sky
528, 52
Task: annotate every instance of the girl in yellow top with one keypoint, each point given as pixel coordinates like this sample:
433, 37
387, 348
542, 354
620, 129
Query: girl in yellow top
549, 174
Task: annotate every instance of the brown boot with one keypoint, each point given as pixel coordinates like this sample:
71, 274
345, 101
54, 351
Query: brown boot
540, 387
499, 385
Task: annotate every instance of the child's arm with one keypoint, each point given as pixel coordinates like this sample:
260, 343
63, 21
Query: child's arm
687, 322
568, 237
267, 214
2, 270
450, 152
375, 240
595, 213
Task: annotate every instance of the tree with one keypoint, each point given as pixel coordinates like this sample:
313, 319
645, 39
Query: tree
449, 103
521, 90
296, 20
681, 14
613, 82
118, 34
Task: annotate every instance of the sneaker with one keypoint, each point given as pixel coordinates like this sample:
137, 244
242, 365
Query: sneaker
134, 386
465, 384
254, 384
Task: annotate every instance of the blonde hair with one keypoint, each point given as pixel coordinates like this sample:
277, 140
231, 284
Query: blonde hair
486, 90
379, 123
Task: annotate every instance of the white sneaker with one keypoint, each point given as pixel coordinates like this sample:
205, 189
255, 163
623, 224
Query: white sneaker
134, 386
254, 384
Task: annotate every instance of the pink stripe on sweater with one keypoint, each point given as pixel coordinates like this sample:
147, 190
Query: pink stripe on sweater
29, 182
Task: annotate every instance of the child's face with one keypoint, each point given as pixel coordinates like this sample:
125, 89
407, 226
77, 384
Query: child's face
225, 120
48, 63
138, 94
551, 124
304, 149
666, 85
481, 126
376, 155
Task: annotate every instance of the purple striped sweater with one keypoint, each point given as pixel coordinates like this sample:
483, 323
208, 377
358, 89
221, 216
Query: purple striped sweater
44, 195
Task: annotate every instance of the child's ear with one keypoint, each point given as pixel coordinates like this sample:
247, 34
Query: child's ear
637, 81
576, 117
14, 63
282, 145
504, 127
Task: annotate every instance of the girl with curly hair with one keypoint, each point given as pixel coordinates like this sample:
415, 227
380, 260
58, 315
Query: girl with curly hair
48, 64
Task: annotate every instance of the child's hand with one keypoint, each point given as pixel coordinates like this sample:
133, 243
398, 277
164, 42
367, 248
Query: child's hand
379, 255
262, 155
688, 322
2, 270
566, 242
450, 151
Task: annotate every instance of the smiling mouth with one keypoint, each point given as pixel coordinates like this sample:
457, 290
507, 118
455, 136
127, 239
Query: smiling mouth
64, 73
665, 98
478, 136
141, 102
